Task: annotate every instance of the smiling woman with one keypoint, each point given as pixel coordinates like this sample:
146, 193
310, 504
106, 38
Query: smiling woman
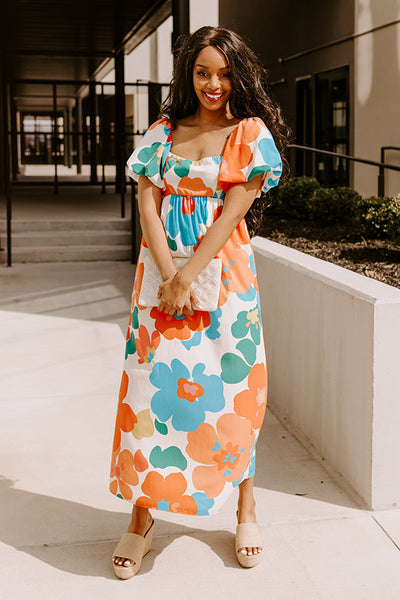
198, 376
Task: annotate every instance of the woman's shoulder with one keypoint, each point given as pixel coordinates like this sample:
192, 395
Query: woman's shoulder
161, 124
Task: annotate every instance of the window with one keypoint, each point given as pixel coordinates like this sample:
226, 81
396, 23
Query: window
332, 126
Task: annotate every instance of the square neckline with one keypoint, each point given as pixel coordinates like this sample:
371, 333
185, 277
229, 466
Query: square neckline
204, 157
194, 161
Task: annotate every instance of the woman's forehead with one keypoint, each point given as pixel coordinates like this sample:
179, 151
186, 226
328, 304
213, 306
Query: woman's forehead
210, 56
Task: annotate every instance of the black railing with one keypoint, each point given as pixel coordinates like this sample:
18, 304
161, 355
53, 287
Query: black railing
381, 165
381, 176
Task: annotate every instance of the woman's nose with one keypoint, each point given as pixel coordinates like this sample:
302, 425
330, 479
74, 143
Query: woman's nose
214, 82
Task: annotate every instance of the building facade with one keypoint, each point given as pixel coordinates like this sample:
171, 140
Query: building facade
335, 69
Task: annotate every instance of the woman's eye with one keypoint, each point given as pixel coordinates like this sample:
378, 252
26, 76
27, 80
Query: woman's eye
226, 74
201, 73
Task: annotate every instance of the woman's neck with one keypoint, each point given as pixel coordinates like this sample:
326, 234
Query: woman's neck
209, 119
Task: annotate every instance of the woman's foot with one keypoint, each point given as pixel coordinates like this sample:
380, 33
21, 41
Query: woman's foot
140, 523
246, 513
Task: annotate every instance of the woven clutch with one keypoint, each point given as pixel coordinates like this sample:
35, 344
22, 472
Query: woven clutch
206, 285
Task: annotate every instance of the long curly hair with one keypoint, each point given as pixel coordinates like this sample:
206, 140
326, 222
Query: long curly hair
250, 95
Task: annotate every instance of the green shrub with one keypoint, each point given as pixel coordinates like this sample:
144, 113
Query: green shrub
305, 199
379, 217
331, 206
294, 197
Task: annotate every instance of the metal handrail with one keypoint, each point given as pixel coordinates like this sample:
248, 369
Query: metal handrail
381, 176
382, 165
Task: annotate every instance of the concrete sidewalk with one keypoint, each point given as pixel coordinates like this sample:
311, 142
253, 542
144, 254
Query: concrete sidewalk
61, 343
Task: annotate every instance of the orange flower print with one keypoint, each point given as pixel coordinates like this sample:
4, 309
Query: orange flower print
189, 390
251, 403
224, 452
237, 275
172, 326
188, 205
126, 418
145, 347
194, 186
167, 494
237, 154
125, 475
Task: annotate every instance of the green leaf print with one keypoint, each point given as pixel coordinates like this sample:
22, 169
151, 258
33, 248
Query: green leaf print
233, 368
170, 457
248, 349
135, 318
161, 427
172, 243
130, 347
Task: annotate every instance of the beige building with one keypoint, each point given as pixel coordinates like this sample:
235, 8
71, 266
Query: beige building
335, 67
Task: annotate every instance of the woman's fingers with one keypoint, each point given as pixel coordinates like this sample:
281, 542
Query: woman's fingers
194, 299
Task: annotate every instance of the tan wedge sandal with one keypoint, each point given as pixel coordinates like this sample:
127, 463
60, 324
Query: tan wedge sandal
132, 546
248, 535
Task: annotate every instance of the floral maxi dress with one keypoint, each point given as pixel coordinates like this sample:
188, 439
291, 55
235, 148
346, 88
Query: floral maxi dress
194, 388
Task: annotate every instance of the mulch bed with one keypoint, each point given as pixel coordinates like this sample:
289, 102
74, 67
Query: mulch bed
339, 244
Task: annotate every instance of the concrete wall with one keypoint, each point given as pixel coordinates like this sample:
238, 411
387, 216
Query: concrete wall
203, 13
376, 91
333, 344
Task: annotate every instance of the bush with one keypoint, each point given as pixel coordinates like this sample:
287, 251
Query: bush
380, 217
305, 199
294, 197
331, 206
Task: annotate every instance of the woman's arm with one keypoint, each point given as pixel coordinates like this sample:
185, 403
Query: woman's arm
237, 202
149, 204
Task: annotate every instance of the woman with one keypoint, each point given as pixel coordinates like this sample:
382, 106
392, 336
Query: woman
194, 387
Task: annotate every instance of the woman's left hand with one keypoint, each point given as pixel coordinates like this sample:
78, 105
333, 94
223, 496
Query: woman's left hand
175, 297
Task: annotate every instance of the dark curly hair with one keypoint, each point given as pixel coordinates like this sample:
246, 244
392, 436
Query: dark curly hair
250, 95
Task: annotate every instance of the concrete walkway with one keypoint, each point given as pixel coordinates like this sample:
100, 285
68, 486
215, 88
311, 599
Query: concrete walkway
61, 349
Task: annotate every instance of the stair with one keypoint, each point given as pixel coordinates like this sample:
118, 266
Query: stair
68, 240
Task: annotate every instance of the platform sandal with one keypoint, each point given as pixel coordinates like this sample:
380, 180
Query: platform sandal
134, 547
248, 535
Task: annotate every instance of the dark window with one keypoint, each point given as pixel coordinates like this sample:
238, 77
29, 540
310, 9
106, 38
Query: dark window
303, 126
332, 126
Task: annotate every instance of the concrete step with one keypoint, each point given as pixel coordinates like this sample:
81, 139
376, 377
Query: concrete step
27, 254
33, 239
21, 225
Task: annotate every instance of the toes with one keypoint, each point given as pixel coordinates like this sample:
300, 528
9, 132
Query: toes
120, 561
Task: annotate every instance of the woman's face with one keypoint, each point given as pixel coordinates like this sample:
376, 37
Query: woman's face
211, 78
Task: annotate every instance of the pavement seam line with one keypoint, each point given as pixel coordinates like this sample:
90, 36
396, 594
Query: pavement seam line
386, 533
44, 546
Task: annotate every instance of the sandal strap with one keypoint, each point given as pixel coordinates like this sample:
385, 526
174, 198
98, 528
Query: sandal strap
248, 535
131, 545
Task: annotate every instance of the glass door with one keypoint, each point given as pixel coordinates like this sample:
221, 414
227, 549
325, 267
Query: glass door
332, 126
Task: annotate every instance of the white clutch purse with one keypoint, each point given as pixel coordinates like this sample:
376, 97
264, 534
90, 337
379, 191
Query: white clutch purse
206, 285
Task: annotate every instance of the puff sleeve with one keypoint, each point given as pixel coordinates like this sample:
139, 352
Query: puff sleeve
249, 151
149, 155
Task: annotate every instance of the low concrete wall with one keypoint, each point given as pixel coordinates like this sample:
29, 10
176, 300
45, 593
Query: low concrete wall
333, 350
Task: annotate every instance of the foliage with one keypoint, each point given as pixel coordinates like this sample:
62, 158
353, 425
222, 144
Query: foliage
380, 217
303, 198
293, 199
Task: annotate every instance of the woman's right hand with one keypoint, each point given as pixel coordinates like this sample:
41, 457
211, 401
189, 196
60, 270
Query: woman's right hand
176, 298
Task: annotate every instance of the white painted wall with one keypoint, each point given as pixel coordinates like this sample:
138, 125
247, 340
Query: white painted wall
203, 12
333, 345
376, 92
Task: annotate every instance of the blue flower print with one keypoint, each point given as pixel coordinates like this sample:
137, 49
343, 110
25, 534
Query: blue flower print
183, 397
188, 225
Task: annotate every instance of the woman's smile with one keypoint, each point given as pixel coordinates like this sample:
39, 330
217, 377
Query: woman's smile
211, 78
